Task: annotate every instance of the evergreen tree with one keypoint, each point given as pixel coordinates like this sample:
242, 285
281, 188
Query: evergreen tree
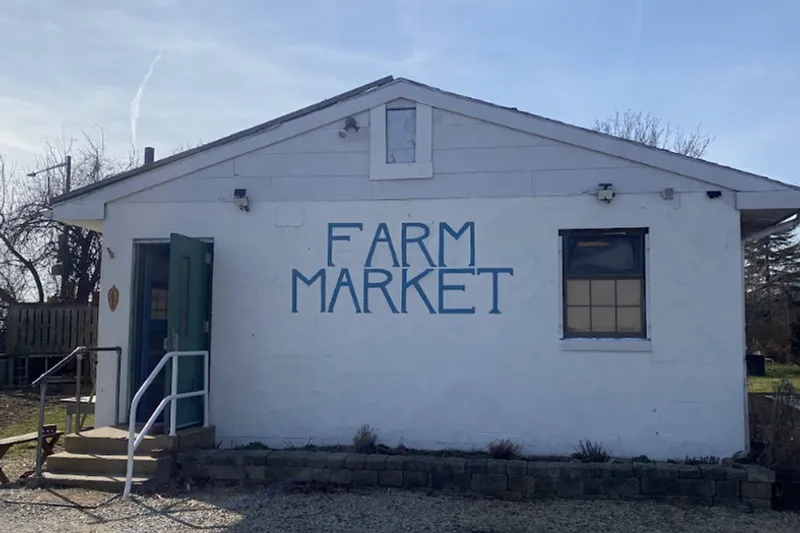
772, 284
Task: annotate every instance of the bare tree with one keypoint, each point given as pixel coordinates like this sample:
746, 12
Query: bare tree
652, 131
21, 256
185, 147
30, 262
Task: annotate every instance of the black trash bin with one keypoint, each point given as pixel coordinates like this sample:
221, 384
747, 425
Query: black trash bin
755, 365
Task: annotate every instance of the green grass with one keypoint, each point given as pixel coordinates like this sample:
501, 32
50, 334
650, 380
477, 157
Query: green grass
27, 424
26, 421
775, 372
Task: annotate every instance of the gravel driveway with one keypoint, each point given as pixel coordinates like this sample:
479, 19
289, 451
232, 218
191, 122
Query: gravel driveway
375, 511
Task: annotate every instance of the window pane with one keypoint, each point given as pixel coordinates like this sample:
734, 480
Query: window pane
603, 292
604, 255
604, 319
578, 292
629, 292
578, 319
401, 130
629, 319
158, 304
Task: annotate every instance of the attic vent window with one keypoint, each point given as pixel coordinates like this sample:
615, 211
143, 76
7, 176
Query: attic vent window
401, 141
401, 127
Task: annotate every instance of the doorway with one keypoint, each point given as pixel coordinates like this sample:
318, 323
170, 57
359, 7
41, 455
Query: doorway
171, 311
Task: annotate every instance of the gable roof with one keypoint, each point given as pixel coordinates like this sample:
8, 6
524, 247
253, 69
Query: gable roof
512, 117
254, 130
585, 130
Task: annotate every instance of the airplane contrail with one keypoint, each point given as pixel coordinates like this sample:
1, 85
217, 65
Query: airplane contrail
137, 100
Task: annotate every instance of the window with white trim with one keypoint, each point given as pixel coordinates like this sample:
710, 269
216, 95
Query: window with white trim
604, 283
401, 141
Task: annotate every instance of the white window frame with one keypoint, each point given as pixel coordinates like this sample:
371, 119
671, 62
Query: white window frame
422, 168
606, 345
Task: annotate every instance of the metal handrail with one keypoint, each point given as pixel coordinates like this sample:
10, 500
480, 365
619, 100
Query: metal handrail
58, 366
77, 354
172, 399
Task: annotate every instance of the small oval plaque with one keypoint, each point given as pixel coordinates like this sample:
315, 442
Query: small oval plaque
113, 297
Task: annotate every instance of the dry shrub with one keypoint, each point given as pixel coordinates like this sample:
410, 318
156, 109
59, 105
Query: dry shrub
254, 445
760, 413
591, 452
504, 449
365, 440
781, 433
702, 460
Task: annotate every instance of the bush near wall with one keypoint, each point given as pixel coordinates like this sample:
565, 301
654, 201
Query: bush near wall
775, 443
728, 485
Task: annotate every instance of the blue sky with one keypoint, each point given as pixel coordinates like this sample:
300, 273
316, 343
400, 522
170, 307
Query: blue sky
76, 65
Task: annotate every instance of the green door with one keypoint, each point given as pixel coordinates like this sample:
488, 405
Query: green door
188, 316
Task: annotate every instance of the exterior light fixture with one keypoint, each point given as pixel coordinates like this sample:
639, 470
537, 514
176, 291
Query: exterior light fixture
349, 124
605, 193
241, 200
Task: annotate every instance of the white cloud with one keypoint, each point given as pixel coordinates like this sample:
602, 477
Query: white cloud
137, 100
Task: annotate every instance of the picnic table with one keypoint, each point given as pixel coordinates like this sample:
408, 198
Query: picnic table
49, 440
87, 408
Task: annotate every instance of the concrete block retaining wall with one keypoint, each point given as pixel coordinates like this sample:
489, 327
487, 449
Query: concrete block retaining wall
729, 485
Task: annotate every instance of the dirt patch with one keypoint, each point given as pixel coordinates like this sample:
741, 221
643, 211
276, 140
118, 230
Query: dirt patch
16, 407
20, 408
19, 463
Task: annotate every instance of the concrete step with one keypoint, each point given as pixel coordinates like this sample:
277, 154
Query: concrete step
112, 465
92, 482
112, 441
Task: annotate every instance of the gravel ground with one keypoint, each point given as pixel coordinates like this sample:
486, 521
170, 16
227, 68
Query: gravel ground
374, 511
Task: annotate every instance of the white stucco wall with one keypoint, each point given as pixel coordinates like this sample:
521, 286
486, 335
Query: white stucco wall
444, 380
433, 380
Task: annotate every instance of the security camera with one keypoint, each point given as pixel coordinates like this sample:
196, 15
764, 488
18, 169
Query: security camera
343, 133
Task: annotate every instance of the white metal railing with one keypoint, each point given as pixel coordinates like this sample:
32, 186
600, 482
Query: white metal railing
135, 440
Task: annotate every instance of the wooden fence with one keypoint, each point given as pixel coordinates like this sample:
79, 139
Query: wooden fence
39, 335
45, 329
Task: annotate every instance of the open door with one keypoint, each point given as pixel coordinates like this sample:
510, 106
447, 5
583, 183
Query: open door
188, 319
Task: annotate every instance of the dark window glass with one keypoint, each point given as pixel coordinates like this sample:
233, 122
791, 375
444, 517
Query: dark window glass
604, 255
159, 304
603, 290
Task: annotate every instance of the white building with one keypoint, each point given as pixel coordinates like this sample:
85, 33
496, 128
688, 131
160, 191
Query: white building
446, 270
